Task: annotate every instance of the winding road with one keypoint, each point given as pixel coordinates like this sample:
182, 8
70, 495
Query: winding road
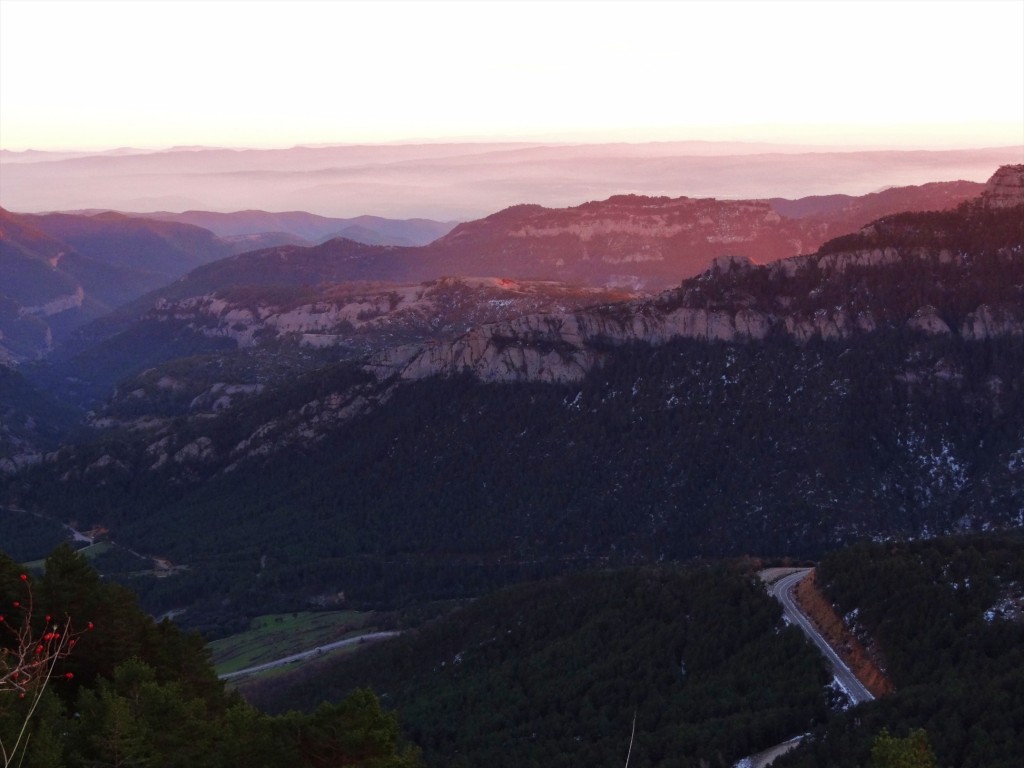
782, 590
367, 638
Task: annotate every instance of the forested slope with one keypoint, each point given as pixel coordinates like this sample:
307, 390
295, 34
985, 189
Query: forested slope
552, 673
681, 450
129, 691
948, 615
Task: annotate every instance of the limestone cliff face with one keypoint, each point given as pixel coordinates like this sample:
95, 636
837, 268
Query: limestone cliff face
988, 322
927, 320
55, 306
1006, 187
375, 316
654, 242
651, 220
651, 242
563, 347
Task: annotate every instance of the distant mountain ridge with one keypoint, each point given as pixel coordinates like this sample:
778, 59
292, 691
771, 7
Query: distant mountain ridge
165, 249
61, 271
629, 241
372, 230
622, 244
618, 246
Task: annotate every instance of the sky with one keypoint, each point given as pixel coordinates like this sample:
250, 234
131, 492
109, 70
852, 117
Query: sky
95, 75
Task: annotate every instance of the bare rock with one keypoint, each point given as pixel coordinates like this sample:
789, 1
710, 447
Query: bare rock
927, 319
987, 322
1005, 189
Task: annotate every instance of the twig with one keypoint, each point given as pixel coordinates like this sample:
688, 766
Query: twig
631, 735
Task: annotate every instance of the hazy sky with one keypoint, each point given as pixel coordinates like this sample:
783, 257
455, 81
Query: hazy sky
84, 74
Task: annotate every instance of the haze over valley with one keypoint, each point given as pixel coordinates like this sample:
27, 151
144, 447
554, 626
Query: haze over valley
466, 181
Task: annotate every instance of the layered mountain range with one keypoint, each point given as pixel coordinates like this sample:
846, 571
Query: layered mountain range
920, 272
62, 270
872, 388
631, 241
951, 276
308, 229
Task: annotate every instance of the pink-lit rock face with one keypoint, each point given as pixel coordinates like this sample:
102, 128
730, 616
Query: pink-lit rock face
1006, 187
652, 243
826, 296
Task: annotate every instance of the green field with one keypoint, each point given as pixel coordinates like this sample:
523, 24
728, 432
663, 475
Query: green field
94, 550
276, 635
90, 551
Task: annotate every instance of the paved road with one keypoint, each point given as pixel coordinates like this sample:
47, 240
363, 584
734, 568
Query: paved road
782, 590
766, 758
367, 638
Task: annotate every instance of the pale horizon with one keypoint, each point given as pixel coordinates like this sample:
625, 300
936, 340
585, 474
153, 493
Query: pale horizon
756, 144
96, 76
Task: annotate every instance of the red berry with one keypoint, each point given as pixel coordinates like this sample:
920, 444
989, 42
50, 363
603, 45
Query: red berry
90, 625
39, 649
17, 604
70, 675
24, 577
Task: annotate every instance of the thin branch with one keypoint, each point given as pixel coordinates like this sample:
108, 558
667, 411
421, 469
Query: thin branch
631, 735
40, 689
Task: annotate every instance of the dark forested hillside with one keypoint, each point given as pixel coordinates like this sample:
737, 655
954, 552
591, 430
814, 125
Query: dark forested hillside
120, 689
552, 674
60, 271
162, 249
948, 616
29, 416
685, 449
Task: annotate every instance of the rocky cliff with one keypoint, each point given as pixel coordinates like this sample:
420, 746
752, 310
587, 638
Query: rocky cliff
369, 316
881, 282
627, 241
1006, 187
653, 242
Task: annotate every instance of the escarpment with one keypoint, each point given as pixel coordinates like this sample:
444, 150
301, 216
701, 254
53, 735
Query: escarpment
829, 296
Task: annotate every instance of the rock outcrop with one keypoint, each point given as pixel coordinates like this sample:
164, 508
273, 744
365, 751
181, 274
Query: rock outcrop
377, 315
828, 296
57, 305
1006, 187
988, 322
